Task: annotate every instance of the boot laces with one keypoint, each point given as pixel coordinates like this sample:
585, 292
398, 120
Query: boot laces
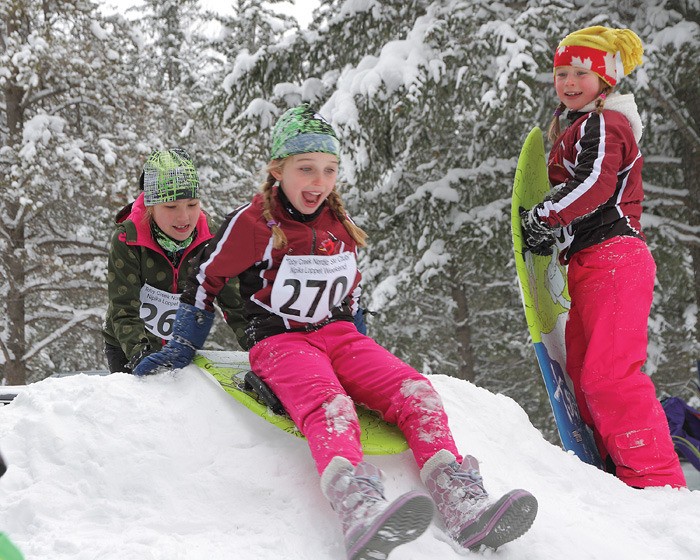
472, 485
370, 487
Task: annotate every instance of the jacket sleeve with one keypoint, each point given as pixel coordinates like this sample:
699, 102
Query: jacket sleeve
124, 293
231, 251
231, 304
593, 179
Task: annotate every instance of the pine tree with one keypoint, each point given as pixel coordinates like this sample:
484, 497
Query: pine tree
432, 101
64, 91
668, 87
429, 169
258, 62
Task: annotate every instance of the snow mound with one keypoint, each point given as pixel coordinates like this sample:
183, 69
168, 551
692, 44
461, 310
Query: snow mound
172, 468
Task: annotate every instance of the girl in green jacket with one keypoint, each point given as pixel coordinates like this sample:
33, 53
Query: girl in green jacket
152, 249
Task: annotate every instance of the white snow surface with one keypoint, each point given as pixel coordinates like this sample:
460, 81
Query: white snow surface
170, 467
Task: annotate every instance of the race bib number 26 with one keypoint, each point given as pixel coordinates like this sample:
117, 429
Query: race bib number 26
158, 309
308, 287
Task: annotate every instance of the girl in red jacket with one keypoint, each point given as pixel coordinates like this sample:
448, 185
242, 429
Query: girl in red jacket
293, 248
594, 209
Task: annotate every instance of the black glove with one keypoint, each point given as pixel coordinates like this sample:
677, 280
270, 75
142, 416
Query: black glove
538, 237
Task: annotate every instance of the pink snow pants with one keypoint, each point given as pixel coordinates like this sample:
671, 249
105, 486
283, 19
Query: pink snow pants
611, 287
317, 376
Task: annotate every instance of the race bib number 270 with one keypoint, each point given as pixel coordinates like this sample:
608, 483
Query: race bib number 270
308, 287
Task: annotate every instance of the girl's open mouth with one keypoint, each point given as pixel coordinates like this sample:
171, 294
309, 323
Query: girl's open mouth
311, 198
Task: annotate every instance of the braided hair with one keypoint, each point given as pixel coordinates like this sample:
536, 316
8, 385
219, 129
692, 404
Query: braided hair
336, 204
278, 236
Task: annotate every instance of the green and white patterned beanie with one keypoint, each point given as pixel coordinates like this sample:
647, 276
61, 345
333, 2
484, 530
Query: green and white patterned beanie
169, 175
301, 130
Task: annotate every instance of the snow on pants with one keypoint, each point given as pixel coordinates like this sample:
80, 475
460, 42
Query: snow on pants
317, 376
611, 287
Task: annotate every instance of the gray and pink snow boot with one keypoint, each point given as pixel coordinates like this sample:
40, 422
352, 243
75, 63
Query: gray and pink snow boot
372, 526
470, 517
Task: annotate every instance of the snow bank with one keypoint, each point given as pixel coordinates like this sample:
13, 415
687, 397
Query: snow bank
170, 467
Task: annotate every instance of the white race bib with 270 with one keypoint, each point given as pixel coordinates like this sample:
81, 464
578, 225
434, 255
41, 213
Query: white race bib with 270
308, 287
158, 309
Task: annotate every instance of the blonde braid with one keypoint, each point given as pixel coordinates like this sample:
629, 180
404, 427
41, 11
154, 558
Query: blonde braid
554, 129
336, 204
600, 101
278, 236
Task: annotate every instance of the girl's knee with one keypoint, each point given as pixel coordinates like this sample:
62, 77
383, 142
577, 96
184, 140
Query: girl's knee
334, 415
421, 394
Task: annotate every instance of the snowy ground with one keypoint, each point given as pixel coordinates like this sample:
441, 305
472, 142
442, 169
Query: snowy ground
172, 468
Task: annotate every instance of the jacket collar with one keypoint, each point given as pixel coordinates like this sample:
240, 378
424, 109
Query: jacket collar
289, 210
134, 216
622, 103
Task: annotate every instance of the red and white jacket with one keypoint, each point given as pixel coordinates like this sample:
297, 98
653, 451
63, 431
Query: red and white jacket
311, 281
595, 169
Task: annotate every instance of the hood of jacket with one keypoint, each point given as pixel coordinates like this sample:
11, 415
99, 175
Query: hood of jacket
622, 103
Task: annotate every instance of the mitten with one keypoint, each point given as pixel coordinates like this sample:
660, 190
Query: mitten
190, 331
538, 237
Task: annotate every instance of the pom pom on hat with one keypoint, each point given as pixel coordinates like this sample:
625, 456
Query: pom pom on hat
169, 175
301, 130
595, 49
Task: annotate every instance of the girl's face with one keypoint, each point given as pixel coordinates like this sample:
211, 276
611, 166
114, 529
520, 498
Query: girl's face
307, 179
576, 87
178, 218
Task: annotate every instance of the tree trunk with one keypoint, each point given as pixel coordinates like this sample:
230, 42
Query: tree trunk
691, 167
686, 120
15, 368
13, 96
463, 334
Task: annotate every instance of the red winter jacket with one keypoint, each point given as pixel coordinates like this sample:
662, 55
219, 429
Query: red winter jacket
595, 169
243, 247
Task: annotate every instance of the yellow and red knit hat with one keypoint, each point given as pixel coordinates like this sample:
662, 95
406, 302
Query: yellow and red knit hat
595, 49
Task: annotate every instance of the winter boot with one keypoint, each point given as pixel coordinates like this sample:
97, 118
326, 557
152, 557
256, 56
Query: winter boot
470, 517
372, 526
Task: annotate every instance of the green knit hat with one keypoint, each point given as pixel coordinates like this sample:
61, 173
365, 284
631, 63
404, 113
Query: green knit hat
301, 130
169, 175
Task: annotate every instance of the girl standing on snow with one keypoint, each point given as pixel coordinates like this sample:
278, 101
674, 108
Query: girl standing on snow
595, 207
294, 248
152, 250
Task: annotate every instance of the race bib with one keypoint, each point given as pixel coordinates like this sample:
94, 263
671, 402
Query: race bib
158, 309
308, 287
